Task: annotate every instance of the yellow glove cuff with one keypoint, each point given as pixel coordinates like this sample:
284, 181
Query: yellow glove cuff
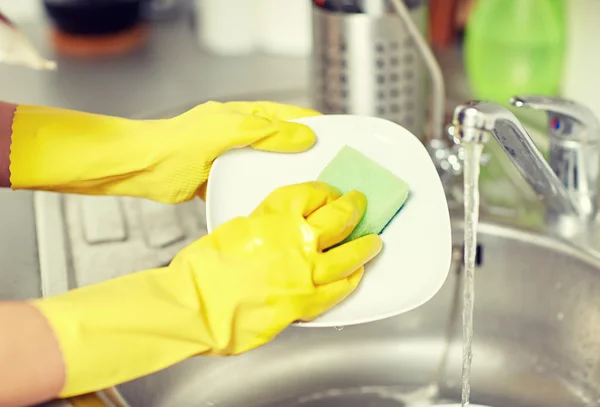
67, 151
125, 328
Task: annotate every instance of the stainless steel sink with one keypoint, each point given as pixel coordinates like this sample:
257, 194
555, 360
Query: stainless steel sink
537, 318
537, 343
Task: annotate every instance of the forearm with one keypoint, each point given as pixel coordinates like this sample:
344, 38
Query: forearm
7, 113
99, 336
31, 364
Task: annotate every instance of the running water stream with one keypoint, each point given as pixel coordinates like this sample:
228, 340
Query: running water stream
472, 155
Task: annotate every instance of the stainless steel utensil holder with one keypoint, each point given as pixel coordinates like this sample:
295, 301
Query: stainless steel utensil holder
369, 65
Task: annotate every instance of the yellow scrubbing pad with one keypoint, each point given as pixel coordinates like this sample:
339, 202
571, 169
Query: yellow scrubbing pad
385, 192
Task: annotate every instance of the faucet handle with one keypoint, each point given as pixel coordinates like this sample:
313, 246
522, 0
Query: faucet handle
574, 156
563, 108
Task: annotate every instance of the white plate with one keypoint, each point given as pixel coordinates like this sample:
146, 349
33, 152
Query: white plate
417, 243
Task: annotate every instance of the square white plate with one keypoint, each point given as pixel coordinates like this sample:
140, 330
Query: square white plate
416, 256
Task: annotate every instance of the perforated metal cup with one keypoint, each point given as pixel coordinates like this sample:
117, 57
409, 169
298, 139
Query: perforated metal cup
369, 65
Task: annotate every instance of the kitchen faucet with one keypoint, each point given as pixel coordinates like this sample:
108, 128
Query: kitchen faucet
568, 182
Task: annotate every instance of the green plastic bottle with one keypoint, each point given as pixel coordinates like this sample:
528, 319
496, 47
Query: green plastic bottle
515, 47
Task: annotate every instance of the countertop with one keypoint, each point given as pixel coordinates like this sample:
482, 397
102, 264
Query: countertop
171, 71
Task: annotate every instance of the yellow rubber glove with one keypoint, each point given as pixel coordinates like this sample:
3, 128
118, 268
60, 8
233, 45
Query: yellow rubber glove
164, 160
231, 291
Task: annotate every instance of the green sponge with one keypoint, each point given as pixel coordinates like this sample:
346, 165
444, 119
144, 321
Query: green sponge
385, 192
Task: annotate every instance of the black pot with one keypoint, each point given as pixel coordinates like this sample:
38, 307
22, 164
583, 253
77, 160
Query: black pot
94, 17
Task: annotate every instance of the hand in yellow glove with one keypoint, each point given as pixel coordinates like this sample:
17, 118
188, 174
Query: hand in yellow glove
164, 160
231, 291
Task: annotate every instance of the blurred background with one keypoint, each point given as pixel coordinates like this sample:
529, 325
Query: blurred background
131, 56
